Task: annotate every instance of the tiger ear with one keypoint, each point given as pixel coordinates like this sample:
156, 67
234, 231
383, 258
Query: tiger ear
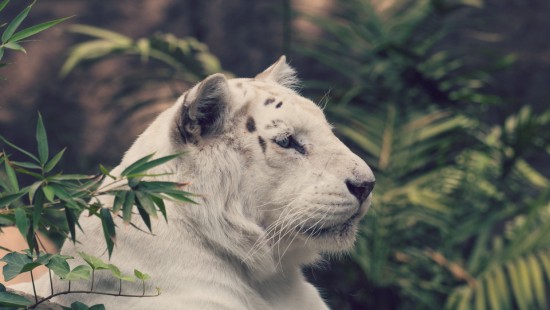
279, 72
204, 109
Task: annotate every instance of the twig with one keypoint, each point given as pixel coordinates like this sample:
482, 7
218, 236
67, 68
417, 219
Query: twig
34, 288
51, 282
88, 292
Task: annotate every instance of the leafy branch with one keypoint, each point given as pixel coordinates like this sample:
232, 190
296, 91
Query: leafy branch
51, 201
11, 39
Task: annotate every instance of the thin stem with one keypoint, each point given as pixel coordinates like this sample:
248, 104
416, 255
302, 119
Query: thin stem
93, 273
120, 287
88, 292
51, 282
34, 288
143, 286
69, 290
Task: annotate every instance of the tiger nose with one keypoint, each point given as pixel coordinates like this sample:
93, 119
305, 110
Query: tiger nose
361, 190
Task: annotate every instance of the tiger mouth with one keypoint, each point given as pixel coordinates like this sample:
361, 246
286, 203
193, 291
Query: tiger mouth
341, 228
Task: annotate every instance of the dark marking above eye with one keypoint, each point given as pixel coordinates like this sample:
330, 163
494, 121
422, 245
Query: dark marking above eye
280, 104
262, 143
269, 101
250, 124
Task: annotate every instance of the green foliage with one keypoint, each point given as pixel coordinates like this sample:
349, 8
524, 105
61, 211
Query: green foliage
460, 215
11, 39
170, 61
50, 201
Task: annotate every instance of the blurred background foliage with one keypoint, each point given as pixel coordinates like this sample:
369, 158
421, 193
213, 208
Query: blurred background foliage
445, 99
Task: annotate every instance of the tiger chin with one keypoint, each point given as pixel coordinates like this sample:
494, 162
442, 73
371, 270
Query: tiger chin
275, 189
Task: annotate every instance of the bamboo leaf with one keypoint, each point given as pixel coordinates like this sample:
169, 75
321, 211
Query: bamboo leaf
14, 24
3, 4
72, 221
38, 204
12, 178
120, 197
145, 202
160, 204
8, 199
53, 162
146, 218
21, 221
15, 46
128, 205
142, 167
42, 141
25, 33
19, 149
137, 163
108, 229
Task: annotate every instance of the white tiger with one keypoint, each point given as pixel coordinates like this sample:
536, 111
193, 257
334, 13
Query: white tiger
275, 189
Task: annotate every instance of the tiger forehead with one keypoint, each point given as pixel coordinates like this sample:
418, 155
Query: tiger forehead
268, 98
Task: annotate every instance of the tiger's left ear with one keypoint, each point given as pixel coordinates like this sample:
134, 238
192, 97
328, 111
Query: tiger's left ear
203, 113
279, 72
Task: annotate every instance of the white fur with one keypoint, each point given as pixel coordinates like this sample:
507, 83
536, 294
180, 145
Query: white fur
240, 247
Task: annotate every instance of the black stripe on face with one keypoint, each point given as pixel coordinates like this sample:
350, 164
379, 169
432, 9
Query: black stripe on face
269, 101
262, 143
250, 124
280, 104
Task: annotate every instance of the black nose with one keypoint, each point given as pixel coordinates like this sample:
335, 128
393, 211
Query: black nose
360, 190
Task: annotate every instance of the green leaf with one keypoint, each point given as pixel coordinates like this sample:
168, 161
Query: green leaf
58, 264
53, 162
120, 197
146, 166
105, 171
8, 199
108, 229
26, 165
21, 221
141, 276
128, 205
160, 204
77, 305
137, 163
14, 264
8, 299
12, 178
3, 4
119, 275
12, 26
2, 55
95, 262
19, 149
72, 221
97, 307
146, 218
145, 202
81, 272
15, 46
27, 32
38, 203
49, 193
33, 189
42, 140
